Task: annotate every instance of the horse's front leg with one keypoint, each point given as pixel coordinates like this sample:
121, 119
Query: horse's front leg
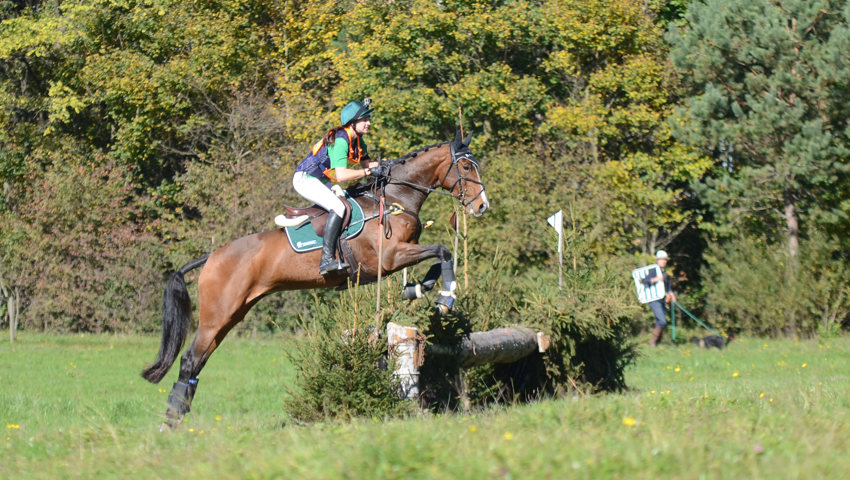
415, 290
411, 254
447, 295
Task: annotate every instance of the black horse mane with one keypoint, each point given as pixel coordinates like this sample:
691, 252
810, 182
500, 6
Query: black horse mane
361, 188
413, 154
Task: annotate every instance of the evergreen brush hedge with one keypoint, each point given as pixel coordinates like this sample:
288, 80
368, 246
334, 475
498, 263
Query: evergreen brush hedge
591, 323
341, 375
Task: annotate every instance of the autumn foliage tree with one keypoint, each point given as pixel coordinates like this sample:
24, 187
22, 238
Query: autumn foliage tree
104, 104
179, 125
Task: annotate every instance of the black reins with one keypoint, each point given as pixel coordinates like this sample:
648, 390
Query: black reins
383, 181
457, 156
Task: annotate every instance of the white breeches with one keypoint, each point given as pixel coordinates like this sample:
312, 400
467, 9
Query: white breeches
317, 192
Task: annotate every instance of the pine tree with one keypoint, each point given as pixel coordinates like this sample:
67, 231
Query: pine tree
768, 97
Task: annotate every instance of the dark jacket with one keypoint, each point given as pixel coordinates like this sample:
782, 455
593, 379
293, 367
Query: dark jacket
318, 163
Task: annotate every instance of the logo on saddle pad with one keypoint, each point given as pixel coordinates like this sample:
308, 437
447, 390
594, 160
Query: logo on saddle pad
303, 237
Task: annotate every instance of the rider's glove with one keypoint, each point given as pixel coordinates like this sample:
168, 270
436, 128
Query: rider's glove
380, 171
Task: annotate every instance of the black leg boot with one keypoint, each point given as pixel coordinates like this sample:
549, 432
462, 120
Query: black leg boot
333, 228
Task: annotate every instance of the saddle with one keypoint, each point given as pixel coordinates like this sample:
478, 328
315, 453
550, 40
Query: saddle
297, 216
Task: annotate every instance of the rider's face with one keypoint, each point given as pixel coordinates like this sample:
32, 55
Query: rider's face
362, 126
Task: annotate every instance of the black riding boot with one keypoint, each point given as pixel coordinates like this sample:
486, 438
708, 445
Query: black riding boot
329, 263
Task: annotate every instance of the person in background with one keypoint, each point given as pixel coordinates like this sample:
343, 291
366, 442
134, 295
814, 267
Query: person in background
331, 161
659, 306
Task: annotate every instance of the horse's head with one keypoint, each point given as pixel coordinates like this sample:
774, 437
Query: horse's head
450, 166
463, 179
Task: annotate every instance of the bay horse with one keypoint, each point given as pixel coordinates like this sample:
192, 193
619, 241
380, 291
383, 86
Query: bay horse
236, 276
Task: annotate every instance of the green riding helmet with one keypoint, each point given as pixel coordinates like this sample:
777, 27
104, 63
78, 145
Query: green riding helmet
355, 111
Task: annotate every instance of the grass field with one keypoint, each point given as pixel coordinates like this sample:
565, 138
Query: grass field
75, 407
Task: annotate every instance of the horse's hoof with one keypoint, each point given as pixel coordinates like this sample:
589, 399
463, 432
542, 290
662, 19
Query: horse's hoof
173, 419
170, 424
444, 305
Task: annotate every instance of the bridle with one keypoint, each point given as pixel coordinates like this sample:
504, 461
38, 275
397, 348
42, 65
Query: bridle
456, 155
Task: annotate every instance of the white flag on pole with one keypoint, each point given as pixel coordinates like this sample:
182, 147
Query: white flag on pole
557, 221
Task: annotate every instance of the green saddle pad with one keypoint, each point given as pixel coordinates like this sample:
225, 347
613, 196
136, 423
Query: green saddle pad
303, 238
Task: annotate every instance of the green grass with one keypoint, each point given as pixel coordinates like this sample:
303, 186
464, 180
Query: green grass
75, 407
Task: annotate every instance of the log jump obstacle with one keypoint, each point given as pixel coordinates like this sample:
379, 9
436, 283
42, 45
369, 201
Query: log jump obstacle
500, 345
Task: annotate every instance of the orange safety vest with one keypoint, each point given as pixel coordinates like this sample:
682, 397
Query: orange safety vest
355, 153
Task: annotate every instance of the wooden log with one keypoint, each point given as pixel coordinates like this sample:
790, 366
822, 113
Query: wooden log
403, 343
501, 345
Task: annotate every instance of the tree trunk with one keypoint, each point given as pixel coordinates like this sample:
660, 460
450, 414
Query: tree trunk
404, 343
502, 345
792, 224
12, 299
13, 304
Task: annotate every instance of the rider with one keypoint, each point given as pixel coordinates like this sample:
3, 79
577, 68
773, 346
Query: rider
330, 161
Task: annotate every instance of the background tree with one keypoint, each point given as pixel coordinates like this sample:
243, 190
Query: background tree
119, 95
767, 97
179, 125
569, 100
765, 87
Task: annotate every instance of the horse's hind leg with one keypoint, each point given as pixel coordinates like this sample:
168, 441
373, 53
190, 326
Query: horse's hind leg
207, 339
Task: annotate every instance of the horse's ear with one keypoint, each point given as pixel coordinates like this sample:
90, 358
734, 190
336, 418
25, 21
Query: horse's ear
458, 138
467, 139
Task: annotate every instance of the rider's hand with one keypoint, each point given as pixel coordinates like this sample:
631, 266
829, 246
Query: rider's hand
379, 170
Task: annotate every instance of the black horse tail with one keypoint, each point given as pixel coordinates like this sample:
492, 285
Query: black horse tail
176, 313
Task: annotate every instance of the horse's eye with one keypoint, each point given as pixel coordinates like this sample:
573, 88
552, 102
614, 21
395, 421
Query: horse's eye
467, 167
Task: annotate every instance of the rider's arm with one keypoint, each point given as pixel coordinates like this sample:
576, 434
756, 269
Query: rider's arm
338, 153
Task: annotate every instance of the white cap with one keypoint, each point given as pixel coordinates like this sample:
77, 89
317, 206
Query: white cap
661, 254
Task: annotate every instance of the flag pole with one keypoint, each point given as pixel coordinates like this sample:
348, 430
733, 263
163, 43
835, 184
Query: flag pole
557, 222
560, 252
